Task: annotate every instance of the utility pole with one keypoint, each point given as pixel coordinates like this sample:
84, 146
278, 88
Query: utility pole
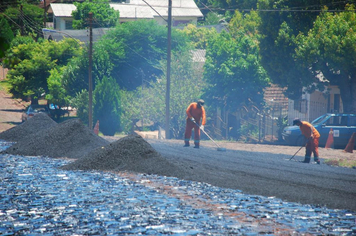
22, 22
90, 71
44, 14
168, 86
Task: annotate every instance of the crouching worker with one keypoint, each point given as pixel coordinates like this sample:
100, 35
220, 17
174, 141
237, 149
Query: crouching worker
312, 136
195, 114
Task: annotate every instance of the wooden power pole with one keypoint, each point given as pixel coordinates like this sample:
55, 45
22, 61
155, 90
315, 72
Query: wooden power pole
44, 13
168, 86
90, 109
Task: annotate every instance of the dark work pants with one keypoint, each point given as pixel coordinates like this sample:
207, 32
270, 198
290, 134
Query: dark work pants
188, 133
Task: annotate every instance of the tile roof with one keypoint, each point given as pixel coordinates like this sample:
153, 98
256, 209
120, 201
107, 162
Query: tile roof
274, 95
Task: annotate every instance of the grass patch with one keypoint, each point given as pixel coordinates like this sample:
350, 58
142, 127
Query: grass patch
341, 162
4, 85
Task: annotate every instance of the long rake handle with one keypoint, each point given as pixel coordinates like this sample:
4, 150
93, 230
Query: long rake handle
296, 152
206, 134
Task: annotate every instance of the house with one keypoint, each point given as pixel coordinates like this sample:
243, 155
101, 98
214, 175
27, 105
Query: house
183, 12
312, 105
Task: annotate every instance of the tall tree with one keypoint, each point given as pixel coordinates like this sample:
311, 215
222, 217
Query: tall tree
281, 22
30, 64
103, 15
329, 52
107, 105
6, 35
148, 101
25, 18
233, 71
124, 53
198, 35
144, 44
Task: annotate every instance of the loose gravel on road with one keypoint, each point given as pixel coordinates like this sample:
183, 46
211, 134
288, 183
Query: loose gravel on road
39, 198
121, 187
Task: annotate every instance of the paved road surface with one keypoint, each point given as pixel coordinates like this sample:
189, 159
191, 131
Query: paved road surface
266, 174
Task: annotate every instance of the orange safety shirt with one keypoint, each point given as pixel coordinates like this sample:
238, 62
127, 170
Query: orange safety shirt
197, 113
307, 128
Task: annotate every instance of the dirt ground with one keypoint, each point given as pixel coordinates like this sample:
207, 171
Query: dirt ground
11, 110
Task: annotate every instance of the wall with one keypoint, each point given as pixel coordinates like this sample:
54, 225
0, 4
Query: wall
311, 106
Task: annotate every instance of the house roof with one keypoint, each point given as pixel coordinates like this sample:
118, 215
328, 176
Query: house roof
132, 11
139, 9
274, 96
63, 9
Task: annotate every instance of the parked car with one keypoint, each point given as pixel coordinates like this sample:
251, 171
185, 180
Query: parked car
34, 109
57, 111
343, 126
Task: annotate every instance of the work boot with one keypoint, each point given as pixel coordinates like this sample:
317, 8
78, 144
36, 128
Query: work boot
186, 143
306, 160
317, 161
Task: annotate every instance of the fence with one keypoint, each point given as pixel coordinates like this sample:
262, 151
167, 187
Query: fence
266, 125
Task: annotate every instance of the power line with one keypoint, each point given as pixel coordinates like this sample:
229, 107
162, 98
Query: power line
292, 9
10, 19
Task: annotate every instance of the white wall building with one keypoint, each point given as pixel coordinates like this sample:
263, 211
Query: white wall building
183, 12
313, 105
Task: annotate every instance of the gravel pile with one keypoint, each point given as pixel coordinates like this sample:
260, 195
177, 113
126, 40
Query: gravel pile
131, 153
71, 139
20, 132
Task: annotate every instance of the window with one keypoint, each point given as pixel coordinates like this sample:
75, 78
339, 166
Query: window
69, 24
352, 120
337, 121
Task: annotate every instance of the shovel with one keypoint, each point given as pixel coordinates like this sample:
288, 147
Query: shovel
219, 148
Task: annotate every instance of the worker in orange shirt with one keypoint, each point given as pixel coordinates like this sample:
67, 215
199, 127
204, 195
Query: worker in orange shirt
312, 136
195, 113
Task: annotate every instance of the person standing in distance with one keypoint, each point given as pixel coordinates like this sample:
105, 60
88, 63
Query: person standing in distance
312, 136
195, 119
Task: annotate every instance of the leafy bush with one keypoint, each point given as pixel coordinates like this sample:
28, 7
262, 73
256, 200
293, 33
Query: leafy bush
107, 105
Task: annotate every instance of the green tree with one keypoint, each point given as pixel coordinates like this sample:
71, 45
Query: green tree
6, 36
30, 65
198, 35
56, 92
107, 105
81, 102
329, 50
247, 23
138, 46
233, 72
281, 22
124, 53
29, 20
148, 102
103, 14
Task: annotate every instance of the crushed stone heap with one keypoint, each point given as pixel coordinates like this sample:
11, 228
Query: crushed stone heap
131, 153
71, 139
40, 121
